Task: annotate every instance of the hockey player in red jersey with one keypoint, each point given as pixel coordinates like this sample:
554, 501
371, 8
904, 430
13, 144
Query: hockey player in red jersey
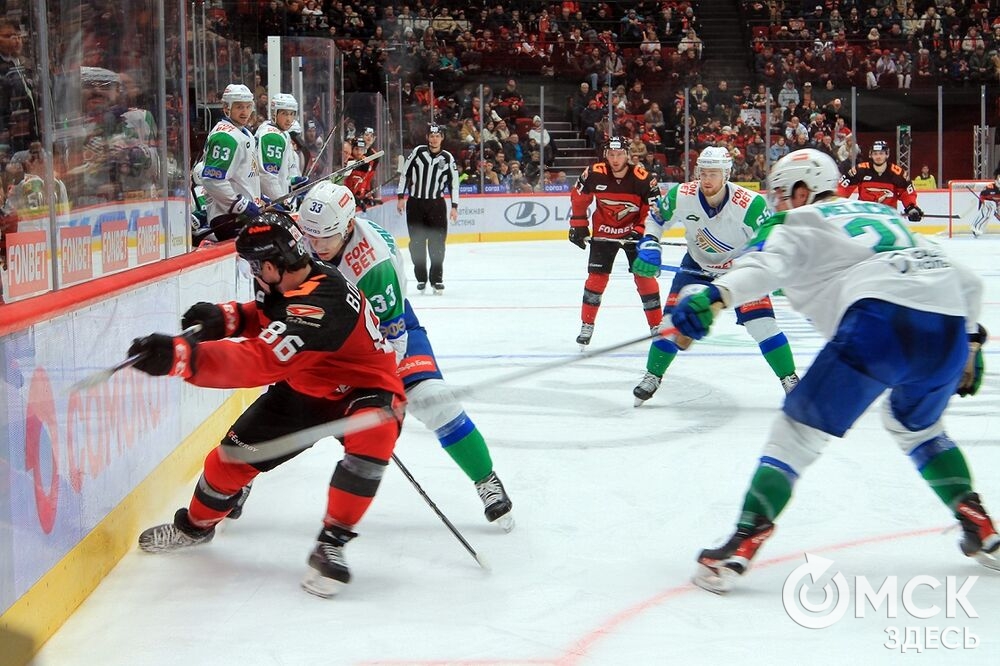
882, 181
623, 194
315, 338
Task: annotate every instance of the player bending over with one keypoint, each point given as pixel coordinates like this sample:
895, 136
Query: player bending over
898, 314
367, 255
312, 336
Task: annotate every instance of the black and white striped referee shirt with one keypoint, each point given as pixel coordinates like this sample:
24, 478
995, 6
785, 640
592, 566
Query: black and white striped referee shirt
427, 175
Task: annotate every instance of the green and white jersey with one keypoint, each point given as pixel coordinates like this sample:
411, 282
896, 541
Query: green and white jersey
830, 255
278, 160
714, 236
371, 260
230, 168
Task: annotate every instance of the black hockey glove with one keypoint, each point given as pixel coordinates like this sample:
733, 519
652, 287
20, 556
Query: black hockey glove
163, 355
972, 375
913, 213
578, 236
217, 321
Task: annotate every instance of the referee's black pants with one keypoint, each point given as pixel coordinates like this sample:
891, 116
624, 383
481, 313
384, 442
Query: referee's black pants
427, 223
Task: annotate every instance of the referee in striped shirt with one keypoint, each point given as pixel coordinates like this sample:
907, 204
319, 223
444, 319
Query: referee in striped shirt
428, 171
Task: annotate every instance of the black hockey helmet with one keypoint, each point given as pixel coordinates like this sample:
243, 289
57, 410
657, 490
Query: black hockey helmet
881, 144
434, 128
617, 143
272, 237
358, 142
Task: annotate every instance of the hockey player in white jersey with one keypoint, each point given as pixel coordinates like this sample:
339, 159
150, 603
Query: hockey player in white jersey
367, 255
278, 160
230, 172
719, 217
899, 314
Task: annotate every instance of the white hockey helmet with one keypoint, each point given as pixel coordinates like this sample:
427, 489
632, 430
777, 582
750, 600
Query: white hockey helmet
326, 210
716, 157
236, 92
284, 102
813, 168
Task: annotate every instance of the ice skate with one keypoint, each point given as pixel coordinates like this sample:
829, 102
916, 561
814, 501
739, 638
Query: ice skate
328, 571
237, 510
174, 536
646, 388
789, 382
438, 287
496, 501
421, 286
980, 540
720, 568
586, 333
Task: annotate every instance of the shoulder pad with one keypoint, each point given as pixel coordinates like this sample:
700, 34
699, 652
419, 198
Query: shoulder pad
600, 167
640, 172
896, 169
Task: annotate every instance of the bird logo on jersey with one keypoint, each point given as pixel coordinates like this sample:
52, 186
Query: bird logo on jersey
709, 243
882, 193
619, 209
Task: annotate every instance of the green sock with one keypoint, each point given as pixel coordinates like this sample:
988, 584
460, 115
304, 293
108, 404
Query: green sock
948, 476
769, 492
658, 360
781, 361
471, 454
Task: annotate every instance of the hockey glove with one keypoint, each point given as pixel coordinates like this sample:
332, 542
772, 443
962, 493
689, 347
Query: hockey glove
578, 236
913, 213
296, 183
217, 321
647, 261
245, 207
972, 376
693, 316
163, 355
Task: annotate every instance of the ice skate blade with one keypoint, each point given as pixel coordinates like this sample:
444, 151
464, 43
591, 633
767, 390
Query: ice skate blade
717, 581
638, 402
990, 561
321, 586
505, 522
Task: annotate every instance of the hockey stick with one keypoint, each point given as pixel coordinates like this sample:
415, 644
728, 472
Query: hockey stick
303, 439
322, 150
101, 376
939, 216
444, 519
623, 241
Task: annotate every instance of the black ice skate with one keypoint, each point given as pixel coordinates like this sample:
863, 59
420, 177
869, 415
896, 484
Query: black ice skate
980, 540
646, 388
328, 571
496, 501
720, 568
421, 286
174, 536
438, 287
586, 333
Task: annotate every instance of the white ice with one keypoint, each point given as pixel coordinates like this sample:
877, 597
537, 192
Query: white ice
612, 505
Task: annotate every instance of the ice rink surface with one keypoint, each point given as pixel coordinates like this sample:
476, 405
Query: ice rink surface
612, 505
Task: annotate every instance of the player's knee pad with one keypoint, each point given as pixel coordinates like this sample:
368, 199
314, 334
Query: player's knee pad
433, 403
794, 444
358, 475
907, 440
762, 329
